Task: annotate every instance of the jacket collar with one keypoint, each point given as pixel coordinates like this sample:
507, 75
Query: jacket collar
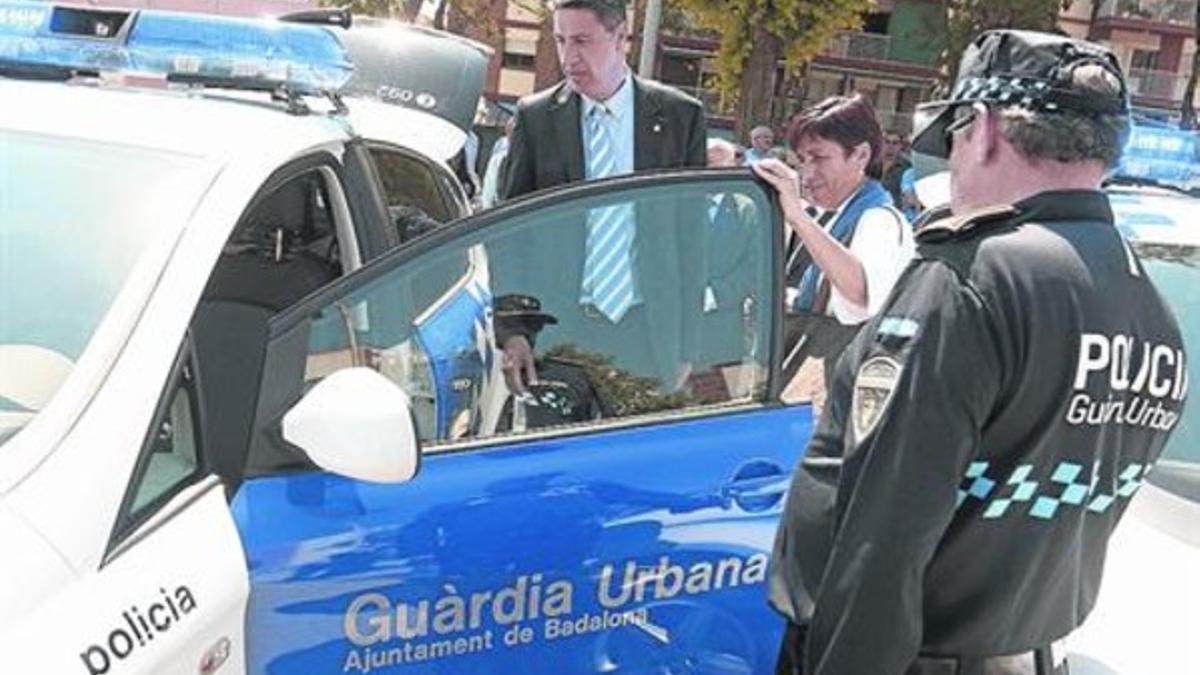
1066, 205
565, 110
649, 127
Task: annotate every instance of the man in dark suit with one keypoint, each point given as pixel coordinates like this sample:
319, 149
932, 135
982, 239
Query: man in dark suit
548, 140
603, 121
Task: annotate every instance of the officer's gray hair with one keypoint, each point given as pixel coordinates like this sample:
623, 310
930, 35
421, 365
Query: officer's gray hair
1068, 136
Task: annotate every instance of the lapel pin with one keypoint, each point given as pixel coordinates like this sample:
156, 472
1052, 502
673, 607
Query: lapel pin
657, 128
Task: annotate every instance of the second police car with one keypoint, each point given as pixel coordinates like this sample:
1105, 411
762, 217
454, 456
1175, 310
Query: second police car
240, 433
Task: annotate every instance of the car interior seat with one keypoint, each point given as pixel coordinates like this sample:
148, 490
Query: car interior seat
280, 252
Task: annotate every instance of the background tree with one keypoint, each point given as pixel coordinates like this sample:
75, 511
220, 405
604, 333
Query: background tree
962, 20
1188, 120
754, 36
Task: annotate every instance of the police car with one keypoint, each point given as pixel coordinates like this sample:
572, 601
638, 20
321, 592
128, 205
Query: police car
1147, 616
219, 377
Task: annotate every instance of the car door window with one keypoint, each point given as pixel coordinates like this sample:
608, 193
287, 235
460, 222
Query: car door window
170, 459
672, 318
410, 183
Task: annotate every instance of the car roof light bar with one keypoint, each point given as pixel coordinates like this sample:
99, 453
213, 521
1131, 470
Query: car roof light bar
1161, 154
260, 54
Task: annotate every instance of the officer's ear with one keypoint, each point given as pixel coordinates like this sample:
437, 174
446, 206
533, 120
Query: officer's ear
988, 132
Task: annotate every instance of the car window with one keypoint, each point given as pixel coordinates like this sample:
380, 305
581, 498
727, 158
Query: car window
1175, 270
409, 183
636, 302
170, 456
65, 259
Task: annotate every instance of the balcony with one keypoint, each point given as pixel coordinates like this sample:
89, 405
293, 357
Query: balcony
1158, 84
855, 45
1171, 12
879, 47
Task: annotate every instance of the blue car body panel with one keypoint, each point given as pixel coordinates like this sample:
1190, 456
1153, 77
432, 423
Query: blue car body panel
637, 549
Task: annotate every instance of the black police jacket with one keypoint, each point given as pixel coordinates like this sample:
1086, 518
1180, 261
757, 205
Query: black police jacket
984, 434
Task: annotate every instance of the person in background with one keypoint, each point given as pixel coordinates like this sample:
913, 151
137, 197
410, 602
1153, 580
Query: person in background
895, 162
721, 154
953, 509
492, 174
910, 203
762, 139
845, 255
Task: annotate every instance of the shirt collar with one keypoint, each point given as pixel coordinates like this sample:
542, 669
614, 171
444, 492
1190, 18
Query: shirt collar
617, 104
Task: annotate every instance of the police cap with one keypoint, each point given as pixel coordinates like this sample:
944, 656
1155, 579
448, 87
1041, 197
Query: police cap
1023, 69
524, 308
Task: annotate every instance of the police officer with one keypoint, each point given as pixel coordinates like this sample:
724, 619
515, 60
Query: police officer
987, 428
562, 393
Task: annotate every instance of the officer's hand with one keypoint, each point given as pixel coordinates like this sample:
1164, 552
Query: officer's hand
518, 364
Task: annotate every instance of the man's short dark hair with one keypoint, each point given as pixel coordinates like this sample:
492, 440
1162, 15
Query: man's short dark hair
845, 120
610, 12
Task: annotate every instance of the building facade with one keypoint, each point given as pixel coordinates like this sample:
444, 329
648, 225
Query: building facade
890, 60
1154, 39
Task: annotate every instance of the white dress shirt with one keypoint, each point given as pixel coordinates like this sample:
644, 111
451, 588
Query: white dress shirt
884, 244
618, 122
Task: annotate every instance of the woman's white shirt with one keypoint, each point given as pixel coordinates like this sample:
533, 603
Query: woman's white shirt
883, 242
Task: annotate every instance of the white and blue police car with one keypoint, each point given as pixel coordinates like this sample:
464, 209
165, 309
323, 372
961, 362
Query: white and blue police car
1147, 615
218, 371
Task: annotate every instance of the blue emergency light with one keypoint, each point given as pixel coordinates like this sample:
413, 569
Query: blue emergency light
1162, 154
48, 40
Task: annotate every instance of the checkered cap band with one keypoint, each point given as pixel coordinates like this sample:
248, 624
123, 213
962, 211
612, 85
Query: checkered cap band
1031, 94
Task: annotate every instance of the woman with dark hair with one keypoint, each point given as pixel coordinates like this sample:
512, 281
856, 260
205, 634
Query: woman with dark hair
848, 243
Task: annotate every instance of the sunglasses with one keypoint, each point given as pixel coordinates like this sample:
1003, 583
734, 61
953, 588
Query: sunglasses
963, 117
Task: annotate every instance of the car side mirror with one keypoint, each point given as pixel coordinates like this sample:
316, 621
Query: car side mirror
356, 423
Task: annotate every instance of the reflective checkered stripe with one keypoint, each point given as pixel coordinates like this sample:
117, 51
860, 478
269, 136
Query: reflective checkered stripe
1022, 492
1020, 91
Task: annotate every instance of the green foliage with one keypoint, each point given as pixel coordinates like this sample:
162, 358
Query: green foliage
802, 28
625, 392
964, 19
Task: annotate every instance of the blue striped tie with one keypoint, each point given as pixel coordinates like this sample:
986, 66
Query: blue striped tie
608, 266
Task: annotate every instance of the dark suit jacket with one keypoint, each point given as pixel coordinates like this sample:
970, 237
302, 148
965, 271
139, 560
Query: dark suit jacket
547, 150
547, 143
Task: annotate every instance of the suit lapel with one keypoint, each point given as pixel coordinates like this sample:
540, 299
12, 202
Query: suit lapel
648, 128
568, 133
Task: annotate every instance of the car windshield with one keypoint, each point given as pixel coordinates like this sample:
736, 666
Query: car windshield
1175, 269
75, 217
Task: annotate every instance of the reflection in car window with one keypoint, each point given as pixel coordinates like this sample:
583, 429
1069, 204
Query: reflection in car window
1175, 270
688, 327
408, 182
170, 457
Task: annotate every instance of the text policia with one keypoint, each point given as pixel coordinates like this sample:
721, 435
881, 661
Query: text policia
136, 627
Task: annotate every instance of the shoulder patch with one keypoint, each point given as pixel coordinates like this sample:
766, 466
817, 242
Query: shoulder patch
874, 386
954, 226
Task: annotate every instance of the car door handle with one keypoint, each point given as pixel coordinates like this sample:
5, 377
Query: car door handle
757, 485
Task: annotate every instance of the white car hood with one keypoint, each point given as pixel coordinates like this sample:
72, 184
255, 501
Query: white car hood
1147, 618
